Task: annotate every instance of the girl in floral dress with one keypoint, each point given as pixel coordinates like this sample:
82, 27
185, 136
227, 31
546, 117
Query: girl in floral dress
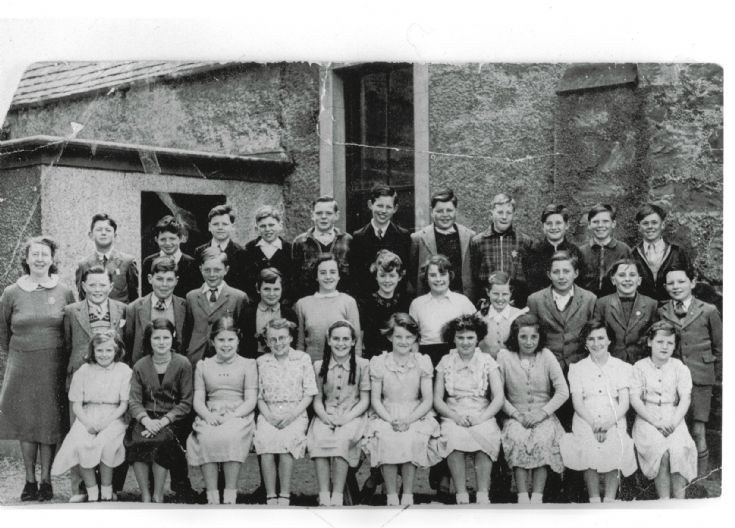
534, 389
286, 387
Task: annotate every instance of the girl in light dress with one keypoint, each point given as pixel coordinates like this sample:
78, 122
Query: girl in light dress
471, 382
660, 395
286, 388
343, 382
599, 444
534, 389
225, 395
497, 312
99, 395
402, 431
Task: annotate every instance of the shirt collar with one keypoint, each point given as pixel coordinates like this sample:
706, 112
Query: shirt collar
167, 302
266, 309
101, 256
98, 308
445, 295
567, 295
493, 314
658, 245
492, 232
26, 283
375, 227
687, 302
611, 244
316, 234
218, 244
176, 256
277, 243
206, 288
345, 365
269, 357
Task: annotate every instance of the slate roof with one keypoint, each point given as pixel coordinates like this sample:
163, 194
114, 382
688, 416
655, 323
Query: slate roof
47, 81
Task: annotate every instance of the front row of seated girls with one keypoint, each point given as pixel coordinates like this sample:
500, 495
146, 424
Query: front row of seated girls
384, 409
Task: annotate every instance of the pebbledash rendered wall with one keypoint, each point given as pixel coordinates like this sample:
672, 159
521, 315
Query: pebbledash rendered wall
504, 127
239, 110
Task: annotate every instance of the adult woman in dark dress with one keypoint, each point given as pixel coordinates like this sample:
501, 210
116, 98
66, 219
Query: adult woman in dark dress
33, 404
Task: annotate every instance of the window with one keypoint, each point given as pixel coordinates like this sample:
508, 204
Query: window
379, 137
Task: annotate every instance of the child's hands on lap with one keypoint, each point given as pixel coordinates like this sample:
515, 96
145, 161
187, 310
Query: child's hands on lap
665, 426
337, 421
461, 420
536, 416
213, 419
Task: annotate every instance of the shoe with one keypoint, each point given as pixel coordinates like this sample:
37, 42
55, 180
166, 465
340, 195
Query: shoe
462, 498
407, 499
30, 492
45, 491
79, 497
284, 500
271, 501
324, 499
482, 498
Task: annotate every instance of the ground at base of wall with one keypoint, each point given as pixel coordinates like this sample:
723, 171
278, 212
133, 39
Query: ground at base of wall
304, 487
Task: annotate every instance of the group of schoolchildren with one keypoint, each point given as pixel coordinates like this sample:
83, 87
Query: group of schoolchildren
402, 349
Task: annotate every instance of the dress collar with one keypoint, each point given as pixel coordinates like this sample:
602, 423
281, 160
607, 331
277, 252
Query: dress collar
390, 362
318, 295
345, 365
26, 283
459, 363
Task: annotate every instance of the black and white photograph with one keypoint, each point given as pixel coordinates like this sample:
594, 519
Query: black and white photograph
382, 284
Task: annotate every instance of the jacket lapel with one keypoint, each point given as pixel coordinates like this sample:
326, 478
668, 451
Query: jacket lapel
117, 313
695, 309
551, 306
574, 304
616, 311
464, 239
221, 300
82, 315
667, 312
179, 314
427, 235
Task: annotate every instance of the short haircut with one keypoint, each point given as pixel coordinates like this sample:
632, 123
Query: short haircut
97, 269
167, 224
386, 261
623, 262
601, 208
159, 323
212, 253
224, 323
497, 277
522, 321
381, 189
502, 199
649, 209
324, 257
266, 211
596, 324
442, 263
666, 328
553, 209
269, 276
220, 210
280, 324
103, 217
559, 256
443, 195
325, 199
402, 320
464, 323
688, 271
163, 264
102, 337
44, 241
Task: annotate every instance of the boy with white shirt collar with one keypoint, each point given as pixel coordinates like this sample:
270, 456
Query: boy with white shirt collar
320, 239
168, 234
221, 225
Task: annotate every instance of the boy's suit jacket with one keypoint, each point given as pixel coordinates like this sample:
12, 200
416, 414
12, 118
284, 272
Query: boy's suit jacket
423, 247
236, 262
138, 315
562, 329
124, 273
701, 338
628, 339
188, 272
200, 315
78, 332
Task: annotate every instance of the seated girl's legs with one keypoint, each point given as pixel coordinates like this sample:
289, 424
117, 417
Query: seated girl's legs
663, 478
209, 472
268, 468
408, 472
390, 479
612, 481
232, 474
29, 451
340, 468
456, 464
89, 477
322, 474
592, 480
539, 483
522, 476
678, 486
141, 475
159, 481
47, 457
285, 466
483, 470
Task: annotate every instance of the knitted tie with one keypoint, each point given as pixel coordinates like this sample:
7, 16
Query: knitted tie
160, 306
380, 234
679, 309
213, 295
